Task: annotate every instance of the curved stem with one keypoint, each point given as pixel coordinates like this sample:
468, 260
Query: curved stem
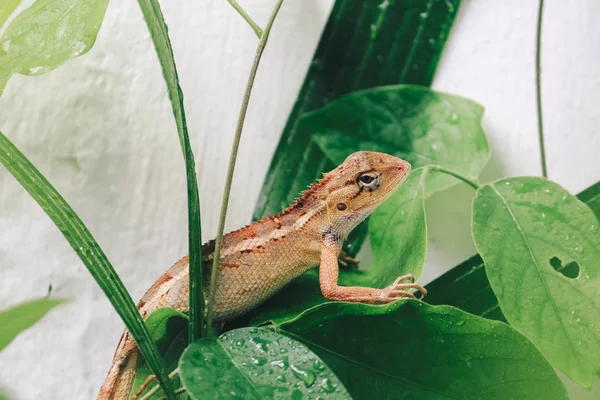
234, 150
246, 17
538, 87
455, 174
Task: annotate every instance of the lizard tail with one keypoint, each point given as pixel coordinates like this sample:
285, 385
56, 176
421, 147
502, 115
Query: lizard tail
118, 382
170, 290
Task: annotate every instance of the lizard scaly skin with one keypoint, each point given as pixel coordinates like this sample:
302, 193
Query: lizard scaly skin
260, 259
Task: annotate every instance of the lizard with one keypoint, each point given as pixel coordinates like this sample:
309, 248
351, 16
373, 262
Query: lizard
259, 259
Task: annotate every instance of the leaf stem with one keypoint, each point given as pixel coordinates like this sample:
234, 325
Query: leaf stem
455, 174
538, 87
244, 14
234, 150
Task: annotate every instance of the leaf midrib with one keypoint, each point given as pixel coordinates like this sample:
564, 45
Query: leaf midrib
537, 268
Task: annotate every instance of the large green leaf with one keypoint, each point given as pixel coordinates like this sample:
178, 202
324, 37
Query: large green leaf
412, 350
253, 363
22, 316
88, 250
541, 248
365, 44
169, 330
412, 122
466, 286
160, 37
48, 34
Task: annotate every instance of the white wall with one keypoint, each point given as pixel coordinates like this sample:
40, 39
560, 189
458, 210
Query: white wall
100, 128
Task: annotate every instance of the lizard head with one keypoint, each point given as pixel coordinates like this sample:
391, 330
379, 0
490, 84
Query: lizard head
359, 185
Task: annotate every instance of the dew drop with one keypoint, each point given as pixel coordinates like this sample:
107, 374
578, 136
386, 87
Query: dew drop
384, 5
307, 377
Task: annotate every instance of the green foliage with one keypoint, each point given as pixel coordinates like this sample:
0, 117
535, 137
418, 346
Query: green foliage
160, 37
86, 247
540, 244
365, 44
412, 122
252, 363
527, 230
169, 329
424, 352
22, 316
47, 34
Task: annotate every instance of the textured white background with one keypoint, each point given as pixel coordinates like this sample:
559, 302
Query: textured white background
100, 128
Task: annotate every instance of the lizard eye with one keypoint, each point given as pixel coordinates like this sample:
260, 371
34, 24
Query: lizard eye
366, 179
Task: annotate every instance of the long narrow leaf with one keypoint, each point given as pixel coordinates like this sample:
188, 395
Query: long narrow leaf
88, 250
160, 37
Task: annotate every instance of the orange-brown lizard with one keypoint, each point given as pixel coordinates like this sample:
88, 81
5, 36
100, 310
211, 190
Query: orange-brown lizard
260, 259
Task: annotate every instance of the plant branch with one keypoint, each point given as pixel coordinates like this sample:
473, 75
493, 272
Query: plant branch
455, 174
244, 14
538, 87
234, 150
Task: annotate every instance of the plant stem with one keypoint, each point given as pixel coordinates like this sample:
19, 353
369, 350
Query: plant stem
244, 14
455, 174
156, 387
538, 87
234, 150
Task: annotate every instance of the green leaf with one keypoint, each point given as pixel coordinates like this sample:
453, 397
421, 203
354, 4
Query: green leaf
88, 250
22, 316
169, 328
527, 231
253, 363
412, 350
160, 37
466, 286
48, 34
412, 122
6, 9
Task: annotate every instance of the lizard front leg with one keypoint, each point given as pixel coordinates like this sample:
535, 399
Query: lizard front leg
328, 277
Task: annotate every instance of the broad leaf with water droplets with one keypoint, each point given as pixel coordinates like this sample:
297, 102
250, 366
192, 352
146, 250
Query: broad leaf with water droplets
48, 34
252, 363
541, 249
413, 350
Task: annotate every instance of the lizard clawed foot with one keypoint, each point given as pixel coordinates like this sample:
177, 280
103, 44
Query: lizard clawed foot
399, 289
347, 262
